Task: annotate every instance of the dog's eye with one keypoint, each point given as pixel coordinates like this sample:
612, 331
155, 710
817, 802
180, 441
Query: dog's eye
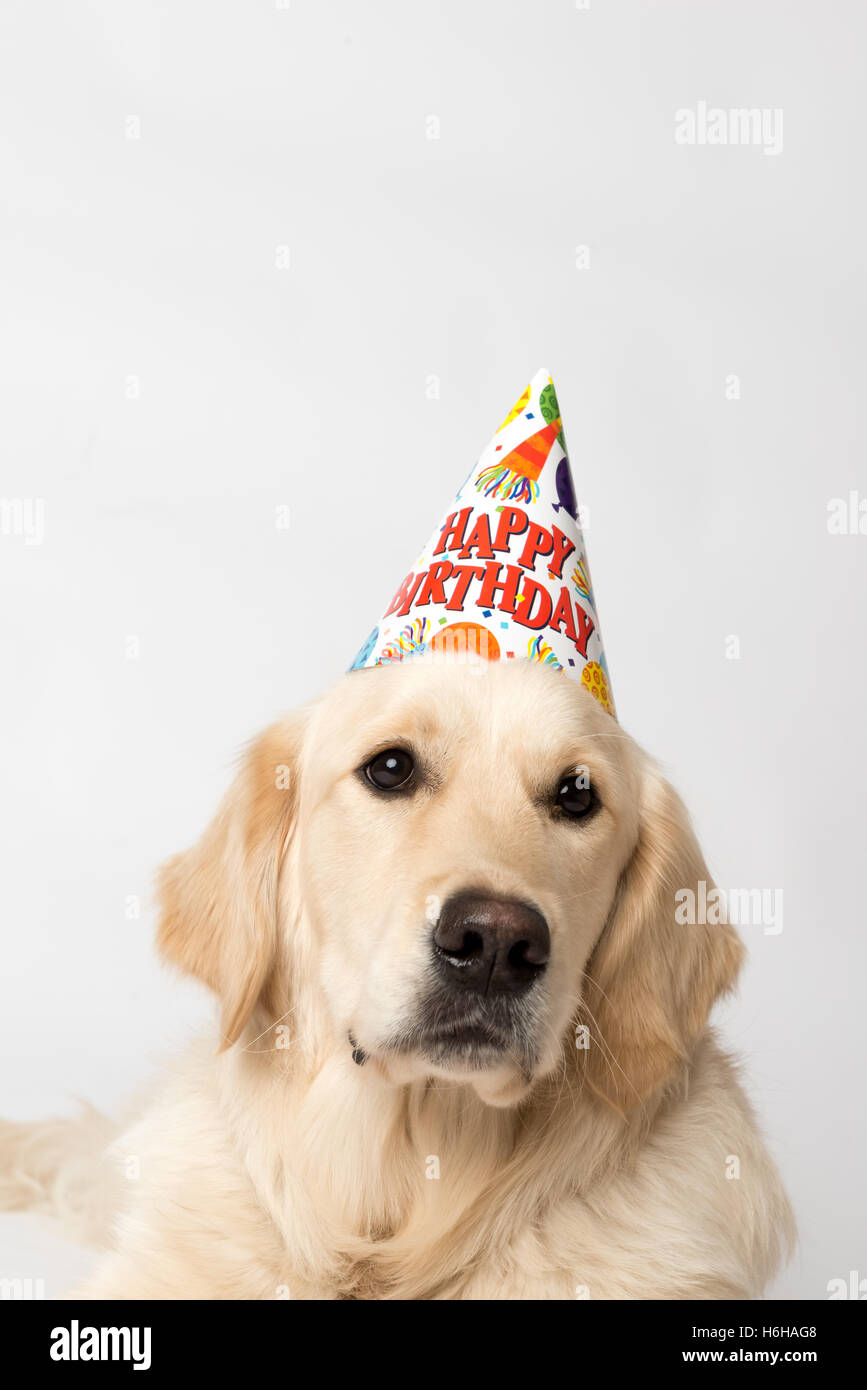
390, 770
575, 797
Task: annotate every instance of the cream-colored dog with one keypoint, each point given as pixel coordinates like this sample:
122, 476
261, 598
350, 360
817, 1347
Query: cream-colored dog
464, 1044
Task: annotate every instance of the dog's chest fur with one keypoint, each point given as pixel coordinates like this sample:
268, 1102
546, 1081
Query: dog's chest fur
424, 1197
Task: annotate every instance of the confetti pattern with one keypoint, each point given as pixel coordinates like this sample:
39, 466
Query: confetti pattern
410, 641
521, 404
539, 650
581, 580
366, 651
593, 679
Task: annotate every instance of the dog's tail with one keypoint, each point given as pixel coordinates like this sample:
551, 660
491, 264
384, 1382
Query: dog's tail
61, 1167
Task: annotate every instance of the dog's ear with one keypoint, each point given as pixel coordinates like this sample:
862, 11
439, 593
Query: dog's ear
219, 900
652, 978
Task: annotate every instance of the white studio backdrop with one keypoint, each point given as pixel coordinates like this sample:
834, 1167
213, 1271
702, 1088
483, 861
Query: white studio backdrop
272, 274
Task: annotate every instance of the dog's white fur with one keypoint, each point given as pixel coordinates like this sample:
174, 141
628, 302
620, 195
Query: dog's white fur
271, 1165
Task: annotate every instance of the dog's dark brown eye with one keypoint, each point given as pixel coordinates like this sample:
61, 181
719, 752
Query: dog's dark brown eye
390, 770
575, 797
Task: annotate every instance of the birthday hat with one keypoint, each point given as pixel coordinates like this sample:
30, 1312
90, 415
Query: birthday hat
505, 575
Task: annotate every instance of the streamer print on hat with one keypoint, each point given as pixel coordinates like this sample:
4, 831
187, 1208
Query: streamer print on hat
515, 478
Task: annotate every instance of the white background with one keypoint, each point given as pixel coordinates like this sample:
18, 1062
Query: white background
150, 265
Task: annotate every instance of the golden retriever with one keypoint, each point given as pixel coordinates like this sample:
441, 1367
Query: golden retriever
464, 1046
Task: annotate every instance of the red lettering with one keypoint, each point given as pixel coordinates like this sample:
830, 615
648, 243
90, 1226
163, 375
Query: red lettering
404, 596
453, 531
465, 575
539, 542
563, 614
433, 588
585, 629
513, 522
530, 591
480, 539
492, 583
563, 548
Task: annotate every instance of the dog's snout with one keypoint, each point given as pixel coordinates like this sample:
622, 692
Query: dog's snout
490, 945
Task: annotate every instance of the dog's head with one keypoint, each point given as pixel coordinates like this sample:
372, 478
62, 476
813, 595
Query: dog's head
472, 871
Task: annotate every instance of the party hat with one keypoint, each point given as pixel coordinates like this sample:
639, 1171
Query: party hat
505, 575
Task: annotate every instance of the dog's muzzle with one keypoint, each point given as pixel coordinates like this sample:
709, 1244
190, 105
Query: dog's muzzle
487, 955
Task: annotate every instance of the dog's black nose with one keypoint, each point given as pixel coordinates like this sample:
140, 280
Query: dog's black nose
491, 945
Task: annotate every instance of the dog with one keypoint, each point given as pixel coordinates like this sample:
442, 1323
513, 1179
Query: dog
463, 1046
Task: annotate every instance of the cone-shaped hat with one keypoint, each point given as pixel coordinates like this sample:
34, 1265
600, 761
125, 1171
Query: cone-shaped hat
505, 575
